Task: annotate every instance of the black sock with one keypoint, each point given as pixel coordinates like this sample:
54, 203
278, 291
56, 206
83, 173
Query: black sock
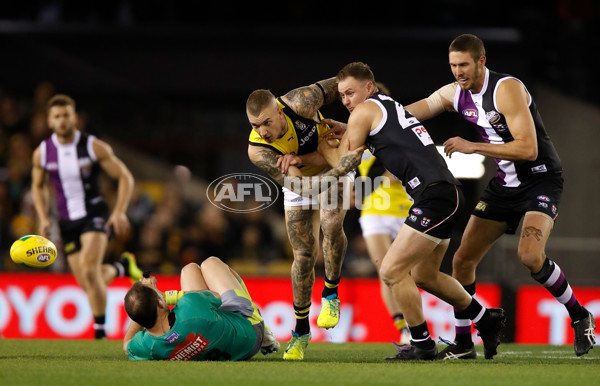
99, 327
331, 287
463, 323
302, 325
421, 337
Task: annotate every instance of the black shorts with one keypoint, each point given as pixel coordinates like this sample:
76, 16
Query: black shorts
437, 210
71, 231
509, 205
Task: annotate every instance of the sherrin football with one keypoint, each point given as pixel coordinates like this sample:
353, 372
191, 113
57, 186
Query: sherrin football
34, 251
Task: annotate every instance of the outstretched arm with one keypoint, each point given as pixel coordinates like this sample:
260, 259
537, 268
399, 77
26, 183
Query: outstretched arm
435, 104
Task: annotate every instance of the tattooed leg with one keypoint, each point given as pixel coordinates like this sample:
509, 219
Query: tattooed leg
301, 224
334, 238
534, 235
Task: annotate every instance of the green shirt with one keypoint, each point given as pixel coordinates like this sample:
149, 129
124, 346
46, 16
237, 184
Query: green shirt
201, 332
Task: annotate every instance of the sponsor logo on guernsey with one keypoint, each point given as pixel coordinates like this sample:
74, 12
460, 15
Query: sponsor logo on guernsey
51, 166
414, 182
172, 337
470, 113
190, 348
417, 211
539, 169
541, 197
306, 138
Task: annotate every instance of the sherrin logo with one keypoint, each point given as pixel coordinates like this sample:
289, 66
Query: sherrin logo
43, 250
242, 192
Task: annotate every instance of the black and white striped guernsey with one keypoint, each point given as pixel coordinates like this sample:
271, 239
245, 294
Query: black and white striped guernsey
481, 110
74, 170
406, 149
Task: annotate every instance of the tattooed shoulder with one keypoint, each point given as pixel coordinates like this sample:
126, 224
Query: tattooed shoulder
305, 101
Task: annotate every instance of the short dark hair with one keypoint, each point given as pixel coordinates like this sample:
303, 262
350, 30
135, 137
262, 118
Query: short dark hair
468, 43
258, 100
357, 70
141, 305
60, 100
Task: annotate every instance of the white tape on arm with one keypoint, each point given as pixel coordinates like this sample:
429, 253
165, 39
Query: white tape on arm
441, 98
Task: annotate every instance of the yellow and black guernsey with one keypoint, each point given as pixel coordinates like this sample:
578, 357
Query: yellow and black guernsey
383, 200
302, 137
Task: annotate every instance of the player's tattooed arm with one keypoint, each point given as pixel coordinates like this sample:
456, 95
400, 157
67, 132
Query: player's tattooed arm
305, 101
266, 160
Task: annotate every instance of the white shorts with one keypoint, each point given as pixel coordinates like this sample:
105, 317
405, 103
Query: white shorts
372, 224
294, 199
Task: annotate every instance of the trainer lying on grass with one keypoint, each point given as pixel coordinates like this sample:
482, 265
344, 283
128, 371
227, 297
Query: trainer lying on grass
214, 318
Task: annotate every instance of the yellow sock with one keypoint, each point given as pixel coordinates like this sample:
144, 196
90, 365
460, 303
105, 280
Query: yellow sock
400, 324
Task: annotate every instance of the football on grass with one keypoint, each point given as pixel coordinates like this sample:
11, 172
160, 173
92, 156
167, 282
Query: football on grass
33, 251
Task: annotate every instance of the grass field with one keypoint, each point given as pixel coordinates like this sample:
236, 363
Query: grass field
87, 363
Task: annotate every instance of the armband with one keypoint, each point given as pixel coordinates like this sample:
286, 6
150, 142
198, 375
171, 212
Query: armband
322, 90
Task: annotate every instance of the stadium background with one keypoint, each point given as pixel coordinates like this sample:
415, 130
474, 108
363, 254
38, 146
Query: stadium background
166, 84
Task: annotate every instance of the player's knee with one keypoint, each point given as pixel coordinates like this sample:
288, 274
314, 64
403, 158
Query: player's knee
391, 274
461, 261
533, 260
333, 226
89, 273
212, 261
304, 260
188, 268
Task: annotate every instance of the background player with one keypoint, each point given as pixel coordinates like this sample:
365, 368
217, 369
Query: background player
73, 160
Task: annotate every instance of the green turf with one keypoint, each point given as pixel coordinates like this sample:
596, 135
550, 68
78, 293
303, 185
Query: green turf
87, 363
